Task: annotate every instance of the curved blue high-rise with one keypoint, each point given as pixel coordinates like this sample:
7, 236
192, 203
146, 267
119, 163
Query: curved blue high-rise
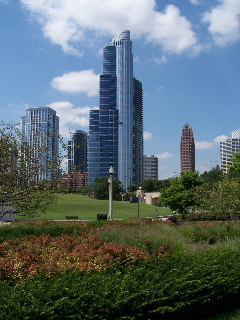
112, 127
124, 73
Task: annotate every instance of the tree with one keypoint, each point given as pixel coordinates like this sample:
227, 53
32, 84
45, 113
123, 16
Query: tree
19, 174
101, 188
151, 185
180, 196
223, 199
234, 170
211, 177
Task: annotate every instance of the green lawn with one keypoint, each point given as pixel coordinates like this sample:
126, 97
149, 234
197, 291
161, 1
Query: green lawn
87, 209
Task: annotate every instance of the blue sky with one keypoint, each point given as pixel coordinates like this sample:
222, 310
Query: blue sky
188, 61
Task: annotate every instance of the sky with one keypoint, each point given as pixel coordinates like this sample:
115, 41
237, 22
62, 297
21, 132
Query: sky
186, 55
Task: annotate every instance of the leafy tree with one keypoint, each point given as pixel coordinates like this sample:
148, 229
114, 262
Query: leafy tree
234, 170
180, 196
132, 188
151, 185
19, 174
223, 198
101, 188
211, 177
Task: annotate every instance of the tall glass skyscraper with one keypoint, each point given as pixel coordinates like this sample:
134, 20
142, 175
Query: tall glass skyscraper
77, 151
124, 73
137, 132
113, 129
40, 128
103, 124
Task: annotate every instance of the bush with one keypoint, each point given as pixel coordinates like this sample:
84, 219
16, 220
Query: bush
178, 287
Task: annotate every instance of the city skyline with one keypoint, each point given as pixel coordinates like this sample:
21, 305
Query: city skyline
185, 54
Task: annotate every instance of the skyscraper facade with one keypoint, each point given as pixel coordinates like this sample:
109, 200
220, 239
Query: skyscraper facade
150, 167
187, 149
77, 151
227, 150
137, 132
40, 128
103, 123
124, 73
115, 130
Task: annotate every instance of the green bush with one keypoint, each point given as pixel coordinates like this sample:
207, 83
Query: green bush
186, 286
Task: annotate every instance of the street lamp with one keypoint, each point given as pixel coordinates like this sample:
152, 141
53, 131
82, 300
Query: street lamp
110, 183
139, 194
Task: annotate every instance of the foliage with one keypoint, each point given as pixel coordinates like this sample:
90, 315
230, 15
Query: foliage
151, 185
81, 276
234, 170
20, 167
180, 196
223, 199
176, 288
101, 188
211, 177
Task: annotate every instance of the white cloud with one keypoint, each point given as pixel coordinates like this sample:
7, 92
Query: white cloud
147, 136
224, 21
199, 145
85, 81
171, 30
164, 155
220, 138
71, 117
75, 22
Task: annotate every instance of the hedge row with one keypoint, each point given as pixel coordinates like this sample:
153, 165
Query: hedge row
186, 286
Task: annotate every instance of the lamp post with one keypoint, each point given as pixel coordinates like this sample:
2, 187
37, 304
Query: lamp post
110, 183
139, 194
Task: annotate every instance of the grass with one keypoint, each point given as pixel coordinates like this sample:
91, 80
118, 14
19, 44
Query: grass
87, 209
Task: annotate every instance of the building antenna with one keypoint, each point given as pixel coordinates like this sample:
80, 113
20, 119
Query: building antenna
135, 59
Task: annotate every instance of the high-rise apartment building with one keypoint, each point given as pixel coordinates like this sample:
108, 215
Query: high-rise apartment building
227, 150
187, 149
103, 123
150, 167
77, 151
115, 130
40, 128
137, 132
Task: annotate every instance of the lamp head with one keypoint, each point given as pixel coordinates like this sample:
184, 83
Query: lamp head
111, 170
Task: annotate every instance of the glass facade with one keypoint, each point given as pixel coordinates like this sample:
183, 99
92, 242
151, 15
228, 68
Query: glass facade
137, 132
116, 129
41, 129
103, 123
124, 73
77, 151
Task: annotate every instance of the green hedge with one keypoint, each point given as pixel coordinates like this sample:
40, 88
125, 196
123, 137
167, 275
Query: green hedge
186, 286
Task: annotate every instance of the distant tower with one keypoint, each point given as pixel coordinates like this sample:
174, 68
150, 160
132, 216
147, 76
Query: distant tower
41, 128
77, 151
227, 150
137, 132
150, 167
187, 149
